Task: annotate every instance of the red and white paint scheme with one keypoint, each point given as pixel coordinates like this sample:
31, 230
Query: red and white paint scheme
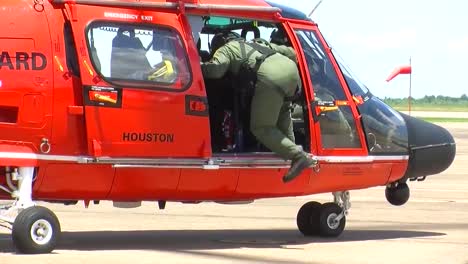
81, 120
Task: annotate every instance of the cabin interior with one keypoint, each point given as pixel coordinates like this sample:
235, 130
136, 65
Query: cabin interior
229, 102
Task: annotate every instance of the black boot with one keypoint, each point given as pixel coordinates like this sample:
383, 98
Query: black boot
297, 166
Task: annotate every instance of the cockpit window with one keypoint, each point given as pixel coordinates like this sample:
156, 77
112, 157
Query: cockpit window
355, 85
323, 76
137, 55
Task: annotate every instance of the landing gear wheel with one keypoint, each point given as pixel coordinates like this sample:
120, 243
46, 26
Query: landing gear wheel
35, 231
308, 218
329, 226
398, 195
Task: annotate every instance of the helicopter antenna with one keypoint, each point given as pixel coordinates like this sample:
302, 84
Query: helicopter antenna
316, 6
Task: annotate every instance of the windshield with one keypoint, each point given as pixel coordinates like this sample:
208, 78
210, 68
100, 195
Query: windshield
385, 129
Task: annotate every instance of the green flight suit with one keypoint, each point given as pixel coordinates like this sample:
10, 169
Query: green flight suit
277, 78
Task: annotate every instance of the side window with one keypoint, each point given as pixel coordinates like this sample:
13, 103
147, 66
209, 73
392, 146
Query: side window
139, 55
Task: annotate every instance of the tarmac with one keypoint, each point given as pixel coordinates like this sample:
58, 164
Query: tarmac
431, 228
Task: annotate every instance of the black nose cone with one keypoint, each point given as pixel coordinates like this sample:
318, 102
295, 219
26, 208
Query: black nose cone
431, 147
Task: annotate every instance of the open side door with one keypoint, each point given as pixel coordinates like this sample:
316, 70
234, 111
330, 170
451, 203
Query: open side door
338, 134
143, 96
335, 119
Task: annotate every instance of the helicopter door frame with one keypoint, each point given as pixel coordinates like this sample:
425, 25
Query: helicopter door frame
141, 125
322, 107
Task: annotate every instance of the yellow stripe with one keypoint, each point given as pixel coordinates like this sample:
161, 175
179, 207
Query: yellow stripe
58, 62
89, 68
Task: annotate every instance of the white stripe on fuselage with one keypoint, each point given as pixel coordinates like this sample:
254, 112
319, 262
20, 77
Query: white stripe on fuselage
177, 162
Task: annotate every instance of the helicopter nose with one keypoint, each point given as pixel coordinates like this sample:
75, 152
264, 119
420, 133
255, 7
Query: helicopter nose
431, 147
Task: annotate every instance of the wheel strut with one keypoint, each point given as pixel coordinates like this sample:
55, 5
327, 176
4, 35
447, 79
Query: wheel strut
342, 199
35, 229
22, 194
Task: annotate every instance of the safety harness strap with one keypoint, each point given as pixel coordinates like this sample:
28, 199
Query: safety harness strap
265, 51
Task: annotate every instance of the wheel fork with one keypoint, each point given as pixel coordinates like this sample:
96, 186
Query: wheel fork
343, 200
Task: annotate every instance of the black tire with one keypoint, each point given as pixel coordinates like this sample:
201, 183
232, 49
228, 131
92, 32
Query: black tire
308, 218
398, 195
327, 227
28, 223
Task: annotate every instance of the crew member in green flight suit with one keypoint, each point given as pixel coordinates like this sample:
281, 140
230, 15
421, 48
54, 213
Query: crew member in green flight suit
276, 78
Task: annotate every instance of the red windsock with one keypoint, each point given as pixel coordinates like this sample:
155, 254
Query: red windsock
399, 70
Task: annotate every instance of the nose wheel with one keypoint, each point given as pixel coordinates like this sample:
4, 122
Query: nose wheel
308, 218
327, 220
397, 194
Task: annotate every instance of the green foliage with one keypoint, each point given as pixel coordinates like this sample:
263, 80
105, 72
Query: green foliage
444, 119
431, 103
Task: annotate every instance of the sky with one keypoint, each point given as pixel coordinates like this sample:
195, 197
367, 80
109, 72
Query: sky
375, 36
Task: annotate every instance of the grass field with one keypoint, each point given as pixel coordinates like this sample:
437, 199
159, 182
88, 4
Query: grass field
433, 107
443, 119
437, 107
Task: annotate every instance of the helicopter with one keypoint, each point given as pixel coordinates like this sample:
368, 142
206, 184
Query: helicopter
104, 100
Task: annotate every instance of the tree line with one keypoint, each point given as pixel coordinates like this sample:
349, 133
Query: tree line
430, 100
